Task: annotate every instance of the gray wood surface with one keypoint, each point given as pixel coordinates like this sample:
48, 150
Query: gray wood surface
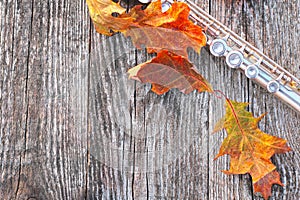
72, 126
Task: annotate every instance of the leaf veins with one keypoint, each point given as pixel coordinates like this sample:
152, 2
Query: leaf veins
169, 70
249, 148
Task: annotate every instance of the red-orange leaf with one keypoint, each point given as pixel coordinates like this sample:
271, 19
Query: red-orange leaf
171, 30
169, 70
158, 38
249, 148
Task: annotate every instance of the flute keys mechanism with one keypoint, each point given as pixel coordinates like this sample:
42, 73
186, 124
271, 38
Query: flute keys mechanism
218, 47
234, 59
252, 71
273, 86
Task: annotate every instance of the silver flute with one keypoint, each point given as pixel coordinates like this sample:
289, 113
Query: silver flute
240, 54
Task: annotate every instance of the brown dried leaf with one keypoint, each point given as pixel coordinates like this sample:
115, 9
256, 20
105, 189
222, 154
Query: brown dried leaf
171, 30
264, 185
167, 71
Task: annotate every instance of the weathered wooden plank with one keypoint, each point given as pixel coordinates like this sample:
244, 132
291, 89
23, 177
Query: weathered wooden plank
44, 62
13, 78
280, 39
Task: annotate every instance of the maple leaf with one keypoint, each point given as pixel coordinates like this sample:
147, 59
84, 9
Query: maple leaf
156, 39
169, 70
249, 148
171, 30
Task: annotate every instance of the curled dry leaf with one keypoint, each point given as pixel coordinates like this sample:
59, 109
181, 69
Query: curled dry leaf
169, 70
171, 30
101, 12
249, 148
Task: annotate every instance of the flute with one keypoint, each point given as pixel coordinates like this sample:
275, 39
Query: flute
240, 54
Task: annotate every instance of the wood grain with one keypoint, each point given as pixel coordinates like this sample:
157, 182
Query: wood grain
72, 126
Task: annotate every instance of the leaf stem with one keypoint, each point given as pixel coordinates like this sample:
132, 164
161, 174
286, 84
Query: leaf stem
231, 107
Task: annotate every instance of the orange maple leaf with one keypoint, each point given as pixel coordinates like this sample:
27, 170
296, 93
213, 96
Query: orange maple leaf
169, 70
171, 30
249, 148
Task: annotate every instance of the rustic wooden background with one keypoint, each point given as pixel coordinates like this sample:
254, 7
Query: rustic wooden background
72, 126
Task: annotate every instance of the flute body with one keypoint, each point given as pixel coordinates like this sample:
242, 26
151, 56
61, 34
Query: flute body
240, 54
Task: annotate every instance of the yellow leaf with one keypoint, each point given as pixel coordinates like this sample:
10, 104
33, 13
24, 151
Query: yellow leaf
101, 13
249, 148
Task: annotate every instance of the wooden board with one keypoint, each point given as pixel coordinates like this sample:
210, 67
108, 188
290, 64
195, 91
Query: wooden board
72, 126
